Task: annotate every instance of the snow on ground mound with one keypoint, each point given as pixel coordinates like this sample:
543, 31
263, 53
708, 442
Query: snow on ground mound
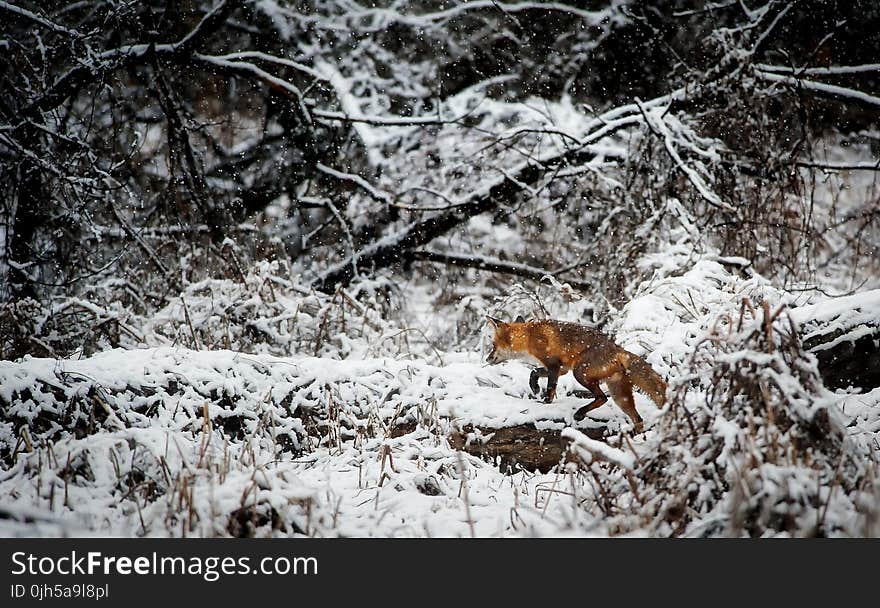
112, 443
844, 335
168, 441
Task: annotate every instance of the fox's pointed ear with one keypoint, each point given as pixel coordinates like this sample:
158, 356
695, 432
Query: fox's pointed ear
520, 319
495, 322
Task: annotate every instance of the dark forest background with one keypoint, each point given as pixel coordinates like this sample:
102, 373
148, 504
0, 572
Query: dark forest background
150, 143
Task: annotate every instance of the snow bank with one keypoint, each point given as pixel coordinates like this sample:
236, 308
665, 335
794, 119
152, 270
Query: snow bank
171, 441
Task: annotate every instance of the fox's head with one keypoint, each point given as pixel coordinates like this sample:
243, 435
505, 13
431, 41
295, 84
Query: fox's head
502, 343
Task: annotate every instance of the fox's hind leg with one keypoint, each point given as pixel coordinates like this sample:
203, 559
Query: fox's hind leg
581, 374
621, 391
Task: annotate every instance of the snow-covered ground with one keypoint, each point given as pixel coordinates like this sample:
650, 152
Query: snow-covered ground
145, 422
169, 440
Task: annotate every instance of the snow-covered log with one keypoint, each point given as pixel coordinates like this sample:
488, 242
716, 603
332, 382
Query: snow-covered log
524, 446
844, 334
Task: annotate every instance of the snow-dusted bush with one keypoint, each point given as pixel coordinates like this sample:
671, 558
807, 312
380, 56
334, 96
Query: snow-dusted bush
262, 310
751, 443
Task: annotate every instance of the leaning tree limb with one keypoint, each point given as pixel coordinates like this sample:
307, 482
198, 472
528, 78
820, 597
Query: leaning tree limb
389, 250
394, 248
822, 89
492, 265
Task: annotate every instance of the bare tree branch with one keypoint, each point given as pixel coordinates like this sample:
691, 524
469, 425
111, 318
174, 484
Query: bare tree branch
388, 250
492, 265
831, 70
47, 23
92, 70
823, 89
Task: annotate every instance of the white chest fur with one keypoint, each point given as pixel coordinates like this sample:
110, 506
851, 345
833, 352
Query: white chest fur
527, 358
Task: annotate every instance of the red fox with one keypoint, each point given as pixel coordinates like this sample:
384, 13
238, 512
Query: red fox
559, 347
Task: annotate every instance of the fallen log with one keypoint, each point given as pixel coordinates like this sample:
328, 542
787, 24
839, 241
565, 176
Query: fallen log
511, 448
844, 335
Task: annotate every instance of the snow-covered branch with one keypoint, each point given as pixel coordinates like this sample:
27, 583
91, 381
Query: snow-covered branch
246, 68
499, 191
821, 88
657, 123
47, 23
376, 19
831, 70
492, 264
93, 69
359, 181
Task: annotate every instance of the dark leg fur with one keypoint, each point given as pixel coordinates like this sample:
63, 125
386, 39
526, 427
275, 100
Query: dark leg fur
540, 372
619, 386
599, 398
589, 378
552, 378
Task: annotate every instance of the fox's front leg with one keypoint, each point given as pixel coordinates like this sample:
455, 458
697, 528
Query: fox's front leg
552, 378
540, 372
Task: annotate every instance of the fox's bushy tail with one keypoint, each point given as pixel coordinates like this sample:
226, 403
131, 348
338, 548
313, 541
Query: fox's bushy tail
642, 375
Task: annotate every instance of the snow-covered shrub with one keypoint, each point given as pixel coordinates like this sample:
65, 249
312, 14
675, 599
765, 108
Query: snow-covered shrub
170, 441
751, 443
263, 310
63, 326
